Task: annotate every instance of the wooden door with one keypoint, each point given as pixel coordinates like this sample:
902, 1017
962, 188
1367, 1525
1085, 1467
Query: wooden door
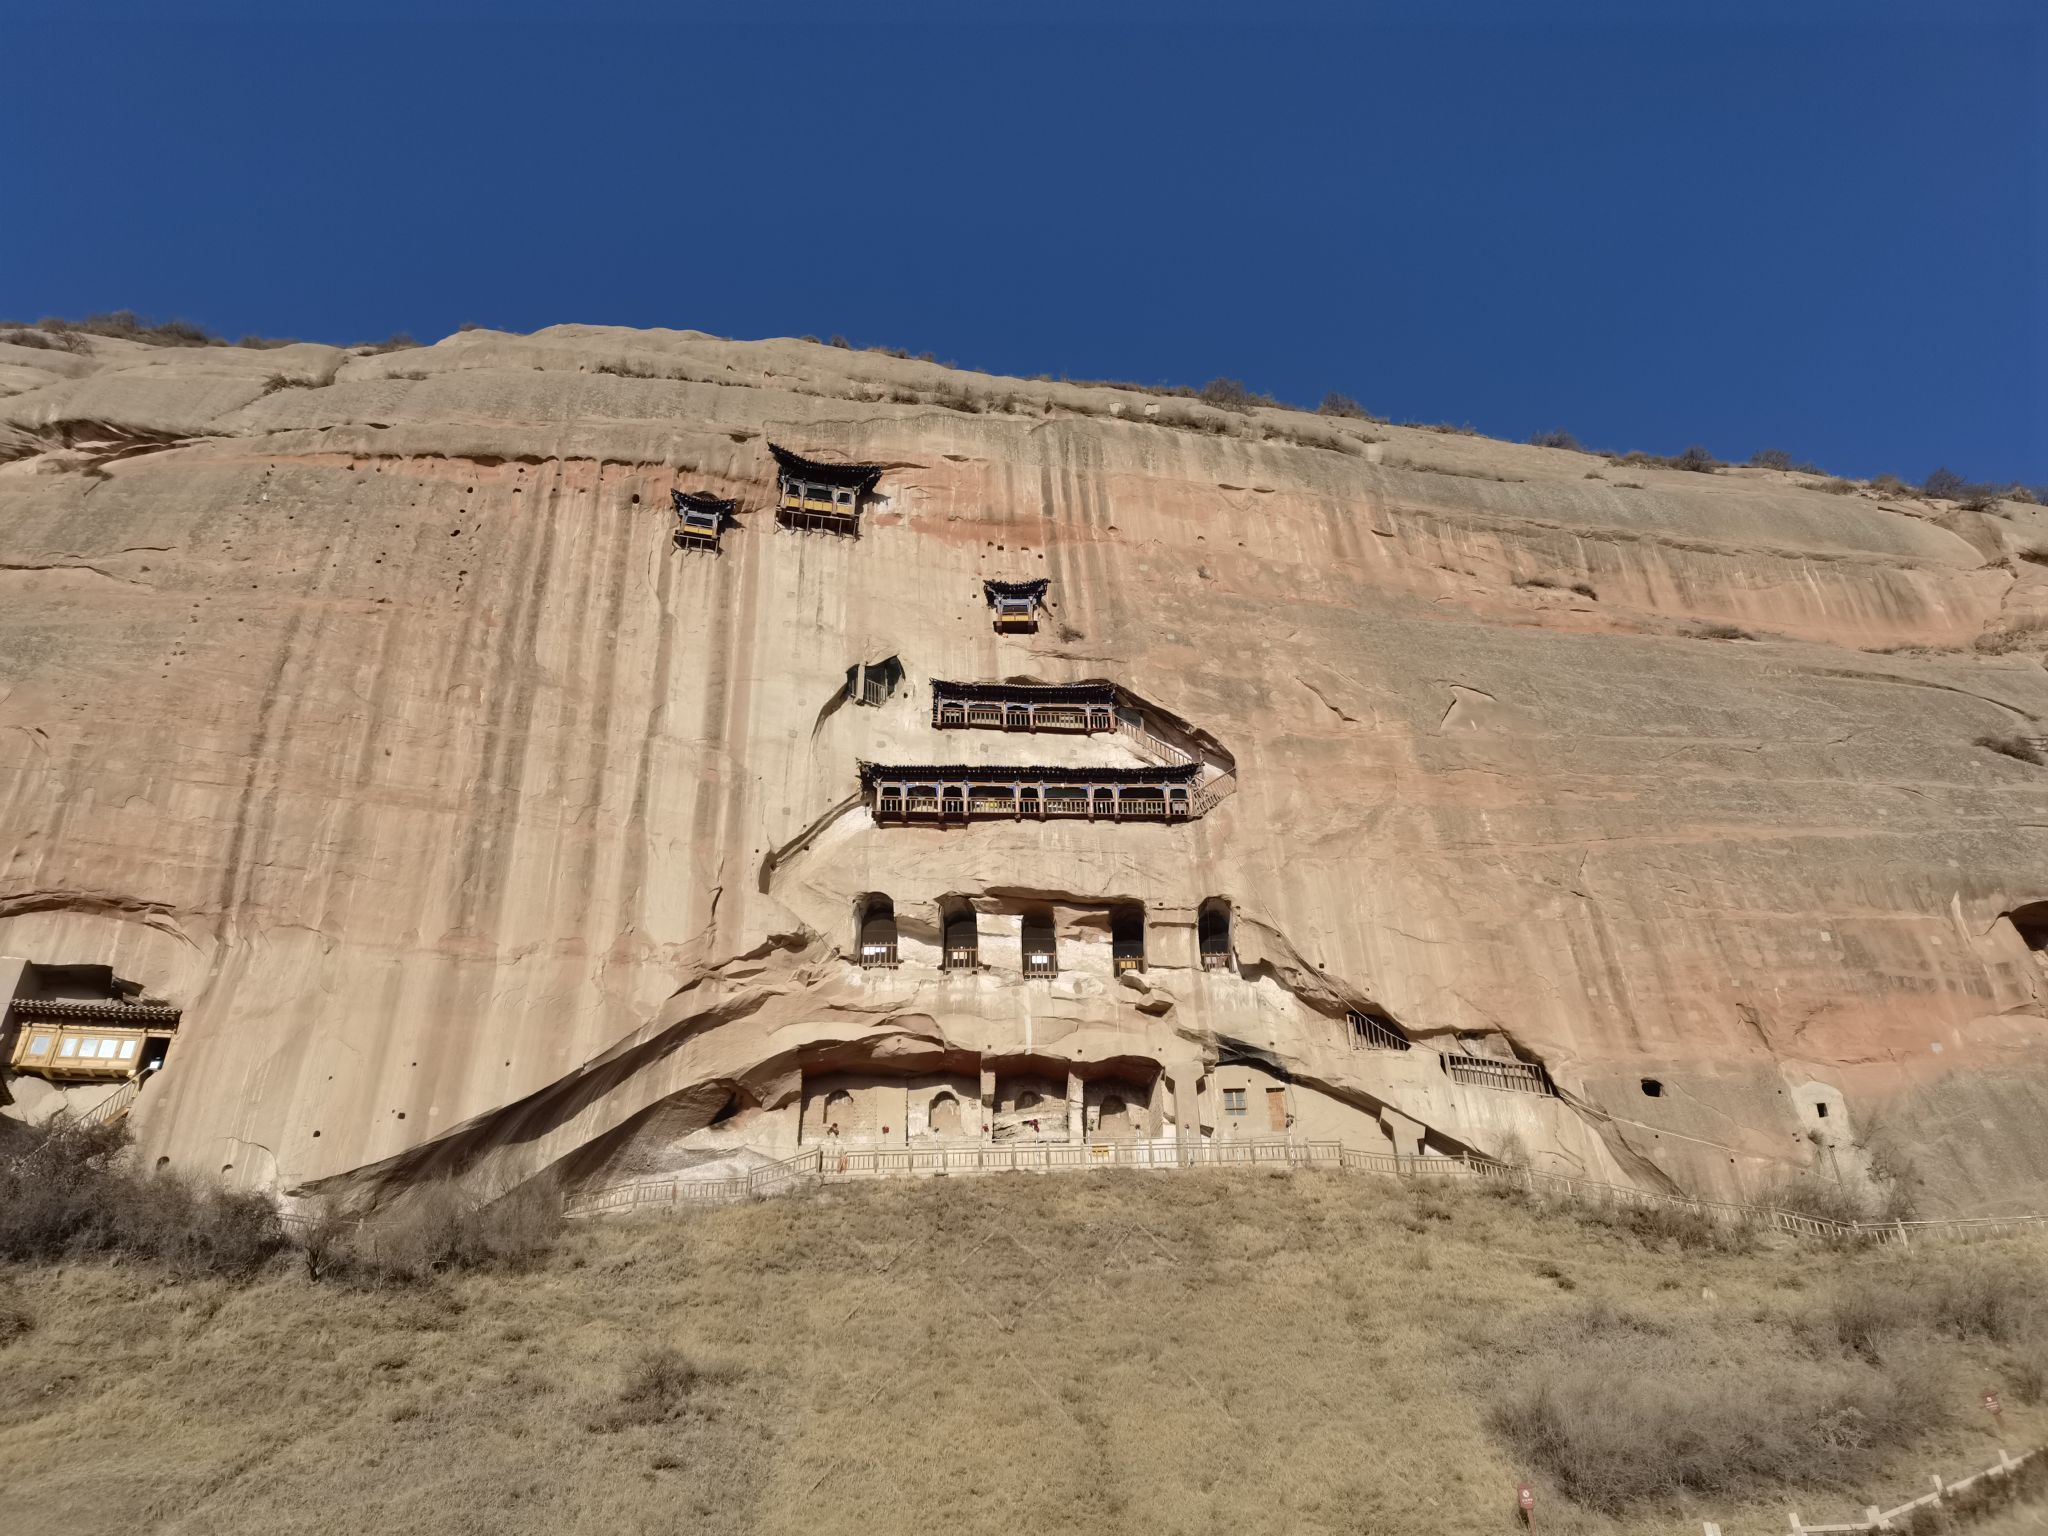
1276, 1108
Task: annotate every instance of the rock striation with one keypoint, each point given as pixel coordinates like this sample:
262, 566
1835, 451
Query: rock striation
366, 708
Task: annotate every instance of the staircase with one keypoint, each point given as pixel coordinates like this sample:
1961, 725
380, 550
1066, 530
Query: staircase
115, 1106
1216, 785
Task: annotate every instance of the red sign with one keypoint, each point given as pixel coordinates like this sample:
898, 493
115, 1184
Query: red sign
1991, 1403
1525, 1496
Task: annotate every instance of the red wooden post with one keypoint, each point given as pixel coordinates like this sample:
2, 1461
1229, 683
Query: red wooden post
1525, 1498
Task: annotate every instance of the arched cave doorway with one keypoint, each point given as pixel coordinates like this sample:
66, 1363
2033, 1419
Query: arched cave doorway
963, 937
945, 1115
1127, 938
878, 933
1041, 951
839, 1113
1213, 929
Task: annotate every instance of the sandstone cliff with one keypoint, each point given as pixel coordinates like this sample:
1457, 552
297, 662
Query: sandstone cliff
363, 706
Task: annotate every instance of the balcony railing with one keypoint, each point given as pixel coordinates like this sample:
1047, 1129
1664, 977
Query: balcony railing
1040, 963
1128, 963
1031, 801
962, 960
1507, 1076
878, 957
1215, 959
1369, 1034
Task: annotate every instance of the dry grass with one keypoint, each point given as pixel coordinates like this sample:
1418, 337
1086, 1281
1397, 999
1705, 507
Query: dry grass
1144, 1353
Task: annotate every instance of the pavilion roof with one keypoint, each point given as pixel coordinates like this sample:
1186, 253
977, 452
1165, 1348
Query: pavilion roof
703, 501
1025, 693
99, 1010
859, 476
1001, 773
995, 589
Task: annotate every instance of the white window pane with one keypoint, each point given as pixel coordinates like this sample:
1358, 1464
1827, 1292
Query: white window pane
68, 1048
107, 1049
127, 1050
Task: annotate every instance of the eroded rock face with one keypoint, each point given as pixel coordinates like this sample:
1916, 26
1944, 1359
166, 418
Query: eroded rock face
364, 706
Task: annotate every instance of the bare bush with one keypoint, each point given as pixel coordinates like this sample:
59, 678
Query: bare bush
1616, 1439
664, 1385
1334, 404
439, 1227
1770, 458
2019, 748
68, 1190
1556, 438
1231, 395
16, 1321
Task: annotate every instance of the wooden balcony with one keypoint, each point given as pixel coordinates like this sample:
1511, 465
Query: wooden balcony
81, 1052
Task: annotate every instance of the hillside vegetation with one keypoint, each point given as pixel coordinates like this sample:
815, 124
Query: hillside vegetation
1184, 1353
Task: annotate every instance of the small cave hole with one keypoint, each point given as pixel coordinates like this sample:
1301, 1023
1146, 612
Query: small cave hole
1652, 1088
1820, 1111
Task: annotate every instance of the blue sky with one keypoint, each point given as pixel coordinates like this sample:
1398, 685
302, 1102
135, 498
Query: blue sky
1652, 225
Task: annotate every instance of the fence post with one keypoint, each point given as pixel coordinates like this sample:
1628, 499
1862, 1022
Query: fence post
1797, 1528
1708, 1528
1872, 1518
1940, 1489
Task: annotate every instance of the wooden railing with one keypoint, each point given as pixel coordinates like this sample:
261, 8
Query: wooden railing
1875, 1519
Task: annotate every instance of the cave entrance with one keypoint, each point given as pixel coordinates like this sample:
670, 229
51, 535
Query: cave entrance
878, 933
2031, 923
1041, 949
1127, 938
963, 938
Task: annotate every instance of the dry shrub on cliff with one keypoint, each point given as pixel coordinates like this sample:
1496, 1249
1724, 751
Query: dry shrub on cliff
2019, 748
1334, 404
70, 1191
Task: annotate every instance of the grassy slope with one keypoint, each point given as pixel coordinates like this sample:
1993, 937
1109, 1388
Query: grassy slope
1128, 1352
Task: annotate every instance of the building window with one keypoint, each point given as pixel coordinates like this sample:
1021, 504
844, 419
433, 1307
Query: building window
107, 1049
1233, 1101
39, 1045
127, 1050
69, 1047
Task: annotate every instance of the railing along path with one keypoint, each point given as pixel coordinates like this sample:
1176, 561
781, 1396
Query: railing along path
824, 1164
